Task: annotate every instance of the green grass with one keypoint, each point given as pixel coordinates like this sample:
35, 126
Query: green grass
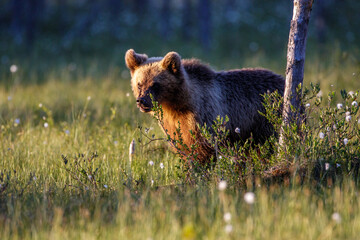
41, 198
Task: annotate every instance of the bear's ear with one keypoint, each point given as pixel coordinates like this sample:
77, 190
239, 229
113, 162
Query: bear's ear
172, 62
134, 60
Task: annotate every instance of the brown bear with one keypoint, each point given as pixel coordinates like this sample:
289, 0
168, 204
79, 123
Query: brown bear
193, 94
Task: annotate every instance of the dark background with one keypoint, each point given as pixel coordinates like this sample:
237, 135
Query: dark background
46, 34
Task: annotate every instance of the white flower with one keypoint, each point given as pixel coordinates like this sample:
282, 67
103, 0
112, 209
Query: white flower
346, 141
161, 165
249, 197
228, 228
220, 157
88, 98
354, 103
13, 68
320, 93
152, 182
321, 135
116, 142
127, 94
339, 106
338, 165
222, 185
34, 178
307, 105
227, 217
9, 98
105, 186
327, 166
334, 126
347, 113
90, 177
151, 163
40, 105
348, 118
351, 93
17, 121
237, 130
46, 125
336, 217
67, 132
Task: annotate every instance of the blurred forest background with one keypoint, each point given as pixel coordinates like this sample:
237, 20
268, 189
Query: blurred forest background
69, 34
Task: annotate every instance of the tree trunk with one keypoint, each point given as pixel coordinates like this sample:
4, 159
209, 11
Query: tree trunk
295, 64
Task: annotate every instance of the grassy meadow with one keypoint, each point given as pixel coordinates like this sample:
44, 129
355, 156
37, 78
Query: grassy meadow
65, 169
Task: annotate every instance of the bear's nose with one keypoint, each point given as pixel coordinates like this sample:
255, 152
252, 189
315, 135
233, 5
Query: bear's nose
140, 100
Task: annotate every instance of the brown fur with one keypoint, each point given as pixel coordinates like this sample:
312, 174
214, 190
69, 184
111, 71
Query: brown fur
192, 93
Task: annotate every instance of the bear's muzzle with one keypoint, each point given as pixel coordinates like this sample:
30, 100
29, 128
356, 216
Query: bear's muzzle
144, 103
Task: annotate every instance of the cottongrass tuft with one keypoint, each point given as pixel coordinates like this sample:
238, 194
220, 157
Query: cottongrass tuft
249, 197
13, 68
327, 166
131, 149
228, 228
336, 217
222, 185
227, 217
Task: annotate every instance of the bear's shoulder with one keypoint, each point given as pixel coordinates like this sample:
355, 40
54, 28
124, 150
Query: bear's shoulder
198, 70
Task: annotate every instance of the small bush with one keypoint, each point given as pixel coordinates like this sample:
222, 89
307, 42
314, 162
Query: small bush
324, 144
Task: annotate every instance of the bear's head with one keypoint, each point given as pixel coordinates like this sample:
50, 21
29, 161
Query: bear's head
160, 78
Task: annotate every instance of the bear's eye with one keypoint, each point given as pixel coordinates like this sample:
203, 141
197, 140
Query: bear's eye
139, 86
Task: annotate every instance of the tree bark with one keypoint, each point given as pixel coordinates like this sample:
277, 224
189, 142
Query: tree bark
295, 64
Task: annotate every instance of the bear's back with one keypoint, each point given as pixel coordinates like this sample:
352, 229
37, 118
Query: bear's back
243, 92
235, 93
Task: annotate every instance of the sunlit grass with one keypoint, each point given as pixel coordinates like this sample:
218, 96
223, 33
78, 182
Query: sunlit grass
41, 199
